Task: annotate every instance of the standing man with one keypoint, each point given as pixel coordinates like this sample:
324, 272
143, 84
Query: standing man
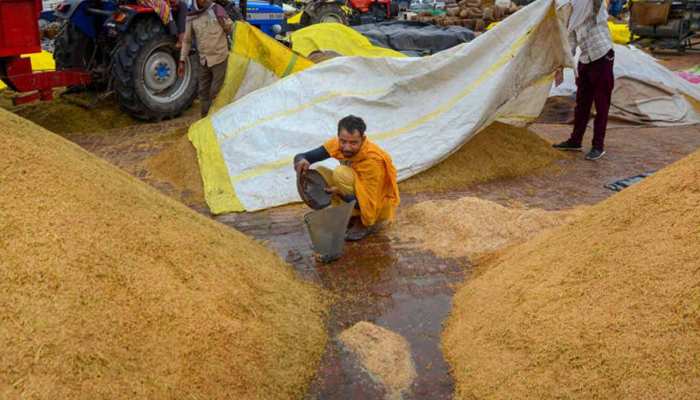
366, 174
588, 30
210, 26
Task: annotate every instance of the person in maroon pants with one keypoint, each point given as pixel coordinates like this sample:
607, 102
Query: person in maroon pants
588, 30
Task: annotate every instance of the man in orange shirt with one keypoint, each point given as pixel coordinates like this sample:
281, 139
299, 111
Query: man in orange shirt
366, 174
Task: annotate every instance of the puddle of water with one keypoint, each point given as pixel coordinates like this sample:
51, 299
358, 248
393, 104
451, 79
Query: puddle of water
385, 282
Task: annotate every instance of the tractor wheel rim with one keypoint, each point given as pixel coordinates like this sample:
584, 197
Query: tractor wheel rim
160, 76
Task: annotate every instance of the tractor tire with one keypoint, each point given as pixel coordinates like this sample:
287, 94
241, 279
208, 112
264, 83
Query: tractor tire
72, 48
330, 12
144, 73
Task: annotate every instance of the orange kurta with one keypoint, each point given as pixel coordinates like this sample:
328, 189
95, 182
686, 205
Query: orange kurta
376, 188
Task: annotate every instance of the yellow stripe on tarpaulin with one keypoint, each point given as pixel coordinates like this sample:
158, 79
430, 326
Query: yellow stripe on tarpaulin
40, 62
218, 190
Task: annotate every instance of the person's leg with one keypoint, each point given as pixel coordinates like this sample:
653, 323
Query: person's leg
344, 179
584, 101
181, 22
603, 81
218, 74
205, 78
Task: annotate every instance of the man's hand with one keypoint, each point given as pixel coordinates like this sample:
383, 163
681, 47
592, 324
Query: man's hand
181, 69
302, 166
332, 190
225, 26
558, 77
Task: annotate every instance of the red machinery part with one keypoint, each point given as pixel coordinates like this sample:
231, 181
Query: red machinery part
19, 28
19, 34
17, 72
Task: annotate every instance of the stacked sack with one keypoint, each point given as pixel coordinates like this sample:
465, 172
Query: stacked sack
473, 14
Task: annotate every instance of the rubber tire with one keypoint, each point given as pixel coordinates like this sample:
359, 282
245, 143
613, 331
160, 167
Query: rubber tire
127, 73
72, 48
330, 9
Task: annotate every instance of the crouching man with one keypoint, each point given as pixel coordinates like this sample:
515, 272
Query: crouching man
366, 174
209, 25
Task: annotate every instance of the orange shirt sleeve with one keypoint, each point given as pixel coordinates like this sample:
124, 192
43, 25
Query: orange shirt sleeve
332, 146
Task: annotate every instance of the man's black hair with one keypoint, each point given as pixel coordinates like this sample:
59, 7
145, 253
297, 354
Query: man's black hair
351, 124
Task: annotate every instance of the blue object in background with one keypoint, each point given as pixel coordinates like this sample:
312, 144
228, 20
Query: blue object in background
615, 7
265, 16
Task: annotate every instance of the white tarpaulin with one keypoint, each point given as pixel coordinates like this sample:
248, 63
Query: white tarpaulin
420, 110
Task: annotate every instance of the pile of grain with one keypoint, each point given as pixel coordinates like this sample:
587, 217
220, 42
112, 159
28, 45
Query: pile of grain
470, 226
499, 151
109, 289
605, 307
74, 113
384, 354
473, 14
177, 166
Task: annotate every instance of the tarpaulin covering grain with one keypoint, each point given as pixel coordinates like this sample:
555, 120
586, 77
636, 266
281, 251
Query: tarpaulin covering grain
420, 110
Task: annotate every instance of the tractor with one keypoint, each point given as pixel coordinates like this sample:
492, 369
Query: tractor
350, 12
112, 46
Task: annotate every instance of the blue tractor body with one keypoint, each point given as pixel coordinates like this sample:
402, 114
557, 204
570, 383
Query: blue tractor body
265, 16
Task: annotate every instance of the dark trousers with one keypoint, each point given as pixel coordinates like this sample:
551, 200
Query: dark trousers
211, 79
179, 21
595, 83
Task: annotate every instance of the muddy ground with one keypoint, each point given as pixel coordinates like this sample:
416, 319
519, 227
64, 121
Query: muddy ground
392, 283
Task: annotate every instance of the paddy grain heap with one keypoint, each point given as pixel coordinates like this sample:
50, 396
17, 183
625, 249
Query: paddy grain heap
499, 151
177, 166
605, 307
109, 289
470, 226
74, 113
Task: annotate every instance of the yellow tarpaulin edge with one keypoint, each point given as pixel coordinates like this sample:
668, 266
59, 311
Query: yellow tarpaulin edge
218, 191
